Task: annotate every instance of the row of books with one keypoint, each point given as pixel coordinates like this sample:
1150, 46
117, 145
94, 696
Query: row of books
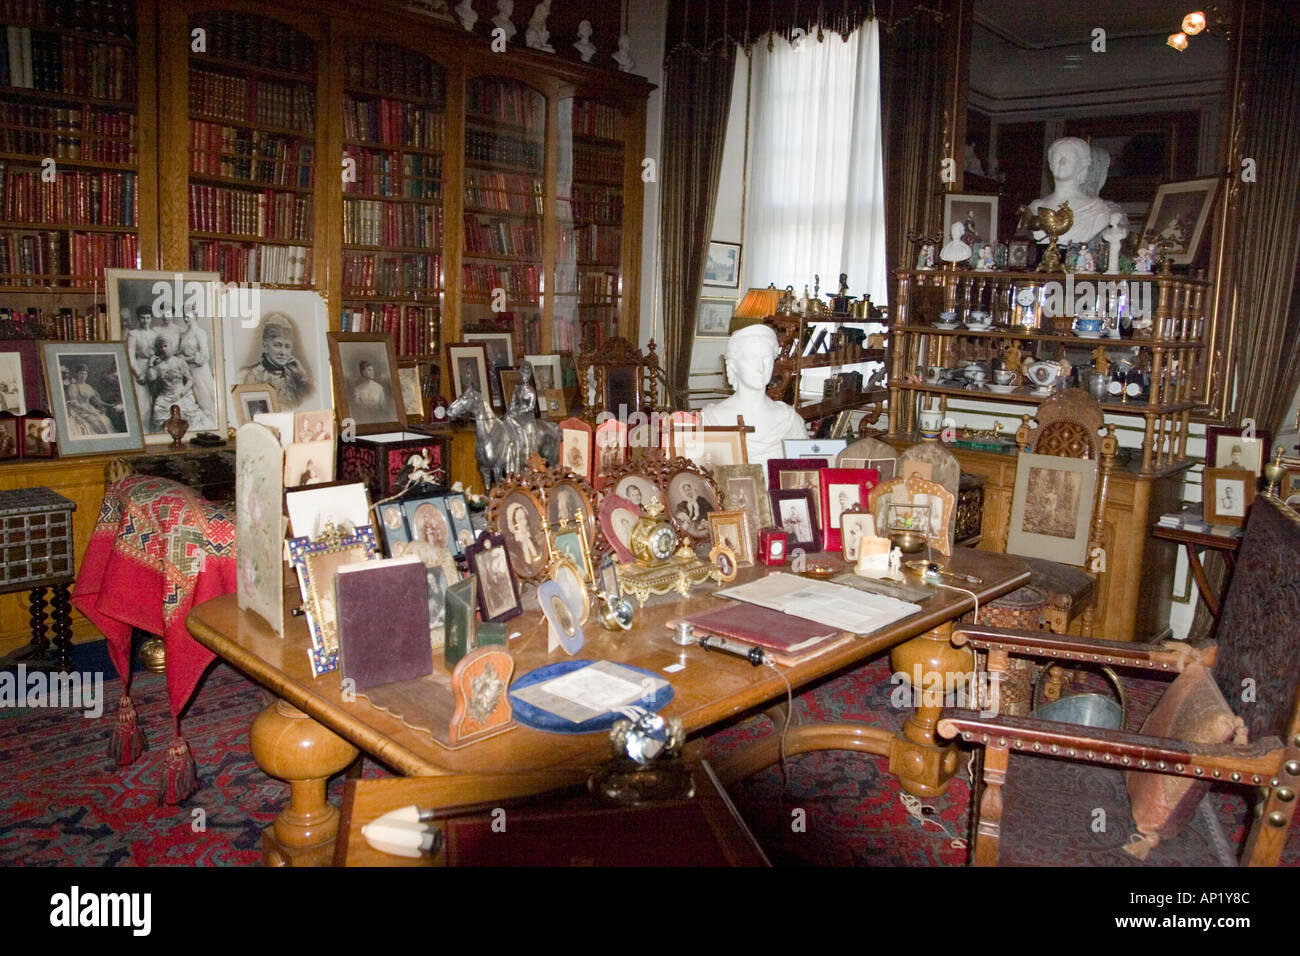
64, 258
598, 204
414, 328
390, 69
373, 222
265, 214
241, 99
510, 102
251, 154
74, 197
110, 17
596, 119
89, 132
592, 288
566, 332
394, 123
406, 175
63, 64
275, 265
503, 191
600, 165
377, 273
500, 237
257, 42
590, 244
520, 282
482, 146
67, 324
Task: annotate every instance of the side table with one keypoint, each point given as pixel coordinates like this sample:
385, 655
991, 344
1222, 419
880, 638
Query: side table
36, 553
1194, 541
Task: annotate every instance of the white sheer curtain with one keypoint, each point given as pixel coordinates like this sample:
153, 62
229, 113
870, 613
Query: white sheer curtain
816, 195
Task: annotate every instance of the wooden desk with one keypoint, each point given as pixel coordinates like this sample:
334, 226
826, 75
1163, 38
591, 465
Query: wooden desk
311, 732
1194, 542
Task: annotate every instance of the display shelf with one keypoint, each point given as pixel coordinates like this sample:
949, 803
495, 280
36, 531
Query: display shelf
795, 333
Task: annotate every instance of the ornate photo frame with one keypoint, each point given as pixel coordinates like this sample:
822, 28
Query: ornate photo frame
498, 591
517, 512
316, 561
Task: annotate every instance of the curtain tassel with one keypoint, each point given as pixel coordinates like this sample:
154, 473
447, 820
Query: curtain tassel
178, 780
127, 741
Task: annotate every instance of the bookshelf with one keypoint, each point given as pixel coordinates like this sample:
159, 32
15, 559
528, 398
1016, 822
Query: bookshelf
394, 139
77, 146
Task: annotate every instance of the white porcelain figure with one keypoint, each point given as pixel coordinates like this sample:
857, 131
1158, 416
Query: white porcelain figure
1114, 234
465, 10
586, 49
1079, 172
537, 37
623, 57
956, 250
505, 10
751, 352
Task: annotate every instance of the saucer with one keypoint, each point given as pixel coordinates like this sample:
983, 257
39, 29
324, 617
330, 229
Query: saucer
945, 325
1089, 335
978, 328
1001, 389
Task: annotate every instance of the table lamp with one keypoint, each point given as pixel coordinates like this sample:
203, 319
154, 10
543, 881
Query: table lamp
754, 306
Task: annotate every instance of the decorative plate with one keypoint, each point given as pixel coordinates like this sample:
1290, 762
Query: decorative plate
532, 716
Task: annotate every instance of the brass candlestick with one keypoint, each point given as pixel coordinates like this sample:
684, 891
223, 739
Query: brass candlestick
1273, 473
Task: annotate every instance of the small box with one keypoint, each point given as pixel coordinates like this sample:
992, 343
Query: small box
387, 461
35, 539
773, 546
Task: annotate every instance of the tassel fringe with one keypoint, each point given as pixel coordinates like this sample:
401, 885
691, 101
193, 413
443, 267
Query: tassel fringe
127, 741
178, 779
1141, 845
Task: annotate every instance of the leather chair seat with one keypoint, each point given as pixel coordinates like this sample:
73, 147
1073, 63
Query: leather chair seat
1067, 587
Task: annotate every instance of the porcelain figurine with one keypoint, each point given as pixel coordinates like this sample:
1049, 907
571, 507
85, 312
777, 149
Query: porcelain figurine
537, 37
1114, 234
465, 10
623, 56
505, 10
586, 49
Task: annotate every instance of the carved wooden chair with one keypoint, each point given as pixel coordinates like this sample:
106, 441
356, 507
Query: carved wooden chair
619, 374
1045, 782
1069, 425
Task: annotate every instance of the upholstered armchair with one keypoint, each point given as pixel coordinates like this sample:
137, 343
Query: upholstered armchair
1230, 718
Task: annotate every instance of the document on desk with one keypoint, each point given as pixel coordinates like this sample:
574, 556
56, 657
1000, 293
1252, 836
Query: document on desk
824, 602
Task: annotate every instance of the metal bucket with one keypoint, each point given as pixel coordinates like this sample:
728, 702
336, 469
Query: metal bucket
1087, 710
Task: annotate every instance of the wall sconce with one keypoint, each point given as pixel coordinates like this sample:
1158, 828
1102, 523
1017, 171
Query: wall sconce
1178, 41
1193, 23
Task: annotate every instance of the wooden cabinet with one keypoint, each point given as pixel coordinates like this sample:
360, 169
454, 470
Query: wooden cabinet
829, 344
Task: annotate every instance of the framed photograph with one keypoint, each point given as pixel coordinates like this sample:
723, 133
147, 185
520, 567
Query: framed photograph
308, 463
498, 593
314, 426
500, 350
36, 433
346, 505
797, 516
510, 377
574, 586
570, 500
784, 474
460, 623
91, 397
171, 325
548, 379
617, 517
640, 489
691, 496
393, 531
607, 577
366, 388
725, 561
22, 387
469, 368
410, 379
1018, 255
428, 522
713, 318
462, 526
278, 337
978, 213
253, 400
722, 268
730, 529
843, 490
570, 539
1227, 448
1178, 214
518, 515
854, 526
611, 449
710, 446
316, 563
10, 436
1052, 508
576, 447
814, 447
1228, 494
742, 487
884, 467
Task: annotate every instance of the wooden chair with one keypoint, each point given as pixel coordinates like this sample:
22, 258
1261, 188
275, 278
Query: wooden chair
1026, 796
1069, 425
619, 373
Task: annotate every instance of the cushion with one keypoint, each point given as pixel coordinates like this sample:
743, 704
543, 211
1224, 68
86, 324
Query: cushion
1192, 709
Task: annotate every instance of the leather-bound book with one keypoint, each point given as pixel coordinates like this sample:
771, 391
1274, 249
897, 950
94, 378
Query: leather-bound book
383, 621
788, 639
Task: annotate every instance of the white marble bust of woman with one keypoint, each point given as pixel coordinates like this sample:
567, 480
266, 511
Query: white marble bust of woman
1078, 172
751, 353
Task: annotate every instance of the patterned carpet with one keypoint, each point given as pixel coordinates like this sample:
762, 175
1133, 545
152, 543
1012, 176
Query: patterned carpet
65, 803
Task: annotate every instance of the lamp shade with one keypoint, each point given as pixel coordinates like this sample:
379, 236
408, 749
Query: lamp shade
754, 306
1178, 41
1194, 23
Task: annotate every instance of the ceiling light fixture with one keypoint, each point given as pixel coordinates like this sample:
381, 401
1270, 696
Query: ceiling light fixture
1178, 41
1194, 23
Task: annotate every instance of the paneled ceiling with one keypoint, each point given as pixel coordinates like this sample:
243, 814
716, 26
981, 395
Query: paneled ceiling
1040, 24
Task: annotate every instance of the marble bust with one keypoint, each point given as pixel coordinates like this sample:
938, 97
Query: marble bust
1078, 172
751, 353
505, 10
956, 249
586, 49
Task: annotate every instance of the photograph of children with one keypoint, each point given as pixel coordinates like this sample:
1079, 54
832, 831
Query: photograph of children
575, 454
308, 463
284, 344
853, 528
38, 437
497, 592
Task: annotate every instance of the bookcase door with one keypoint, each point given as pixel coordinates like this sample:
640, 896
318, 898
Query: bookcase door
394, 126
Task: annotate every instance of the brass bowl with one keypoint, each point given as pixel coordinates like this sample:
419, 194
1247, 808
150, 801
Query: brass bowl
909, 542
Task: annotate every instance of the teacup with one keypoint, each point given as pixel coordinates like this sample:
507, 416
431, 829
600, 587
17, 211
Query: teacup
1088, 325
1004, 376
947, 318
977, 319
976, 375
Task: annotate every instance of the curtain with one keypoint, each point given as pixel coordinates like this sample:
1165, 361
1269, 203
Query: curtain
816, 193
697, 96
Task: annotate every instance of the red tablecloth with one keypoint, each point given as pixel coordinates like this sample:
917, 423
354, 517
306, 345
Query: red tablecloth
157, 550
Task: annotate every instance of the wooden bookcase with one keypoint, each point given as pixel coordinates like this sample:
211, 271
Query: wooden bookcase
77, 143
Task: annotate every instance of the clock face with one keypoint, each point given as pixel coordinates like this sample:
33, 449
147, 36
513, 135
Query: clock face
777, 548
1025, 296
1114, 388
662, 542
1133, 389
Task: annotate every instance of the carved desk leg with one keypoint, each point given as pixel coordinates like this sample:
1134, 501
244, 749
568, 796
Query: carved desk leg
288, 744
62, 615
922, 764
